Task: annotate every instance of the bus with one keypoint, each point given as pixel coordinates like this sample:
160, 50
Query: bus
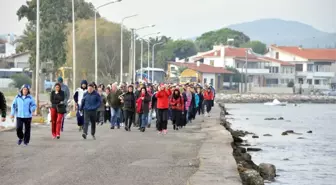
159, 75
7, 74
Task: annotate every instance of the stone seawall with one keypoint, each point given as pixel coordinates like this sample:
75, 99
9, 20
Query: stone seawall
263, 98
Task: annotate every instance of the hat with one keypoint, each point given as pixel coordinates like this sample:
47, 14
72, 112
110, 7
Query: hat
60, 79
25, 86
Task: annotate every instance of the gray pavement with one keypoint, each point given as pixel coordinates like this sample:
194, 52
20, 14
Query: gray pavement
117, 157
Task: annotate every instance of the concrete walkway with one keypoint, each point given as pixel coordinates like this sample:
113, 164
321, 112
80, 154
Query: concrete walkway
118, 157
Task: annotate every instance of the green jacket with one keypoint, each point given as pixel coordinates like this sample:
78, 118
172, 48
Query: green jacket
113, 99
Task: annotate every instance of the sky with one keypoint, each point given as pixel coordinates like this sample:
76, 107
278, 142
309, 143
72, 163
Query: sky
190, 18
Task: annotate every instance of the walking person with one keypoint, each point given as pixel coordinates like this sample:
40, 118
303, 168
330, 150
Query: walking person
57, 110
208, 98
78, 96
3, 107
177, 107
90, 103
142, 106
189, 104
129, 107
23, 107
162, 106
66, 90
107, 115
115, 103
101, 109
200, 109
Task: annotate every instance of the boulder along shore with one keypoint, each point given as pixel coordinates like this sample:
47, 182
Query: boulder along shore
250, 173
263, 98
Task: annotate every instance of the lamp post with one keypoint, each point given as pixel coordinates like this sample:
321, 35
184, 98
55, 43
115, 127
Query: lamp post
73, 47
121, 45
134, 51
37, 65
96, 47
153, 58
142, 39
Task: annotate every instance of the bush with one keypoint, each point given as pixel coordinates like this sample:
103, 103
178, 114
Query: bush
290, 84
20, 79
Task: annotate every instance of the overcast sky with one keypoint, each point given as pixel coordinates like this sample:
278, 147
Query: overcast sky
189, 18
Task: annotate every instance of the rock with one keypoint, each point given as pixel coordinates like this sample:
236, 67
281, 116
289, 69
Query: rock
284, 133
290, 131
309, 132
285, 159
245, 144
251, 177
255, 136
267, 135
253, 149
267, 171
301, 138
247, 119
270, 118
281, 118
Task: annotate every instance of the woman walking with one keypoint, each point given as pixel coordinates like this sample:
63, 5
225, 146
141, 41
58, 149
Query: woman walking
142, 106
200, 108
208, 99
22, 107
177, 107
57, 110
162, 106
107, 115
129, 107
78, 96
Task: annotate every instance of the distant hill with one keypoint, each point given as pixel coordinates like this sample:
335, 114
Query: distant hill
281, 32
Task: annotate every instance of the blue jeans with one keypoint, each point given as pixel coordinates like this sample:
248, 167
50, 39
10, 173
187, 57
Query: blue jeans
143, 120
115, 116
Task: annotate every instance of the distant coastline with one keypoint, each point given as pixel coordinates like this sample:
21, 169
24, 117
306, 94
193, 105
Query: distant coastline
263, 98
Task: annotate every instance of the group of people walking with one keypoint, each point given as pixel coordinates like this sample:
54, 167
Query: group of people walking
122, 106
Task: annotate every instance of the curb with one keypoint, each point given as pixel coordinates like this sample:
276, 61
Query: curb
8, 129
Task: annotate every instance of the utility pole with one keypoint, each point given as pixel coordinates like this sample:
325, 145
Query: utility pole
37, 65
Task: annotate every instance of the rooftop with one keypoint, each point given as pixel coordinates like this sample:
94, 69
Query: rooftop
309, 53
203, 68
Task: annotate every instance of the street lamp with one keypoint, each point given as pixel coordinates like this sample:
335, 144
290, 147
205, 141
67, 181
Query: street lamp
142, 39
134, 51
154, 59
96, 52
73, 47
121, 45
37, 65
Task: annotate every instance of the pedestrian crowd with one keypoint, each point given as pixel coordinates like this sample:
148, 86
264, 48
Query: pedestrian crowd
120, 105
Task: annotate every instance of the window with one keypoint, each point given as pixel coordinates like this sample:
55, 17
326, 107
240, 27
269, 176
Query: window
309, 81
282, 81
277, 55
298, 67
291, 70
300, 80
310, 67
212, 62
172, 68
204, 80
317, 82
212, 81
282, 70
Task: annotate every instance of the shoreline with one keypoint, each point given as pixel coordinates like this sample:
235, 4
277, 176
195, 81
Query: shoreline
250, 173
264, 98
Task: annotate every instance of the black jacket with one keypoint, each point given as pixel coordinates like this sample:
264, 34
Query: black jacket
3, 105
129, 101
145, 104
55, 99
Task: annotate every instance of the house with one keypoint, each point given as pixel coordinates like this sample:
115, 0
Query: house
261, 70
20, 60
201, 73
314, 68
7, 46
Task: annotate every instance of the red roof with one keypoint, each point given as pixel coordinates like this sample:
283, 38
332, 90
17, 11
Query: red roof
229, 52
310, 54
203, 68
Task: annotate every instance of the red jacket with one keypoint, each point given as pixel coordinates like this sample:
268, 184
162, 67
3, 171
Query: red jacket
177, 104
163, 99
208, 95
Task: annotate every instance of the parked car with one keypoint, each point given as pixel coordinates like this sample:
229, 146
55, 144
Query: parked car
48, 85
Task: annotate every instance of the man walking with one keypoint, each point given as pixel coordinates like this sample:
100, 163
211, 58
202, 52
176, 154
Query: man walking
115, 103
90, 103
3, 107
66, 90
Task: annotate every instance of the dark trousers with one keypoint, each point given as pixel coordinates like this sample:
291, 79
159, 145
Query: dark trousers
19, 129
90, 116
162, 119
128, 115
208, 104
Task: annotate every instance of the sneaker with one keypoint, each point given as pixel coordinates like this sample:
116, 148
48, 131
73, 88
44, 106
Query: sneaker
126, 128
160, 132
101, 123
149, 125
143, 129
165, 132
93, 137
112, 127
19, 142
58, 137
25, 144
84, 136
53, 137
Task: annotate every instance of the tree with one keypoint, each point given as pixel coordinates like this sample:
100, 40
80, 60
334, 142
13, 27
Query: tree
257, 46
19, 80
207, 40
108, 39
175, 49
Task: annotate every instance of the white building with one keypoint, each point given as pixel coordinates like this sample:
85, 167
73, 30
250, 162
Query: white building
21, 60
314, 68
7, 47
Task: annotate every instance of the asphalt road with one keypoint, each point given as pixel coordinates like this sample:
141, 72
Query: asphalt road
117, 157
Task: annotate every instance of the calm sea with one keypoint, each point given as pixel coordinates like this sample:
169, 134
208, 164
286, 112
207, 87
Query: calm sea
309, 161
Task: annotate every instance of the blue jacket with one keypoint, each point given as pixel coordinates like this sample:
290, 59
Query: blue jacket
91, 101
23, 107
197, 100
